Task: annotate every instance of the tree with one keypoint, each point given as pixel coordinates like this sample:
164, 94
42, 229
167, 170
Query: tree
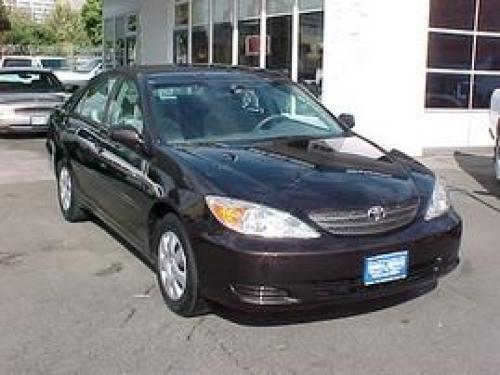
64, 26
92, 20
22, 29
5, 24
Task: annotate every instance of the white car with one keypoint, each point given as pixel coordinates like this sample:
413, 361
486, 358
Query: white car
58, 65
84, 72
495, 128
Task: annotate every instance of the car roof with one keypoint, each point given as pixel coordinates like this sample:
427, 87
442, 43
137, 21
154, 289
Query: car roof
24, 70
151, 70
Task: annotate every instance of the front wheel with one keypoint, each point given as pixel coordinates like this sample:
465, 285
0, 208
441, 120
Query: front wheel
176, 268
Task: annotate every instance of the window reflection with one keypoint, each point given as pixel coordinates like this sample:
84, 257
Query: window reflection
279, 30
249, 42
484, 85
447, 90
180, 46
311, 50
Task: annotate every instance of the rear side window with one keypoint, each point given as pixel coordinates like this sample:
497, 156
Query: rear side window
17, 63
92, 105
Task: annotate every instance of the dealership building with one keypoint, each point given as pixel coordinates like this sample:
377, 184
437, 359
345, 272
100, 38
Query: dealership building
416, 74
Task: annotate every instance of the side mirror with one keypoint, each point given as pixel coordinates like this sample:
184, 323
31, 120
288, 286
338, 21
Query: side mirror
127, 136
71, 89
348, 120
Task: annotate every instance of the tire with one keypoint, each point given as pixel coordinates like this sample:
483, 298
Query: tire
497, 161
67, 194
176, 268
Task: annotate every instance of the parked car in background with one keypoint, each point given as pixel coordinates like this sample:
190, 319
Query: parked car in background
27, 98
58, 65
495, 129
84, 71
241, 188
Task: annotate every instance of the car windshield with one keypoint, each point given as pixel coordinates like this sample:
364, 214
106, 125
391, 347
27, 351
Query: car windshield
29, 82
55, 64
87, 66
251, 109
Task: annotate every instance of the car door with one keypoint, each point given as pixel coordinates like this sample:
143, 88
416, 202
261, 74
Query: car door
127, 168
87, 129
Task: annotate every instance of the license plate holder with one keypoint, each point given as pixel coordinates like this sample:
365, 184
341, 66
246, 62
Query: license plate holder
39, 120
384, 268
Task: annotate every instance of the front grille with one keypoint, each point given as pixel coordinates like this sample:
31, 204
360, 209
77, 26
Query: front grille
359, 222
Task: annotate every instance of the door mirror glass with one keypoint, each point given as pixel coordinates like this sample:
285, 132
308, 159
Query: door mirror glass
348, 120
128, 136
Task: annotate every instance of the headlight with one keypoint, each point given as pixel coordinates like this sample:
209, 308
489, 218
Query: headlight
6, 111
439, 203
256, 220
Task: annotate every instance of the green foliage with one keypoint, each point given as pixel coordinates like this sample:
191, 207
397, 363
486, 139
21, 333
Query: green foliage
4, 18
64, 27
92, 20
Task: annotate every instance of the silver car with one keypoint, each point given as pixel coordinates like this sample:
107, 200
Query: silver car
27, 98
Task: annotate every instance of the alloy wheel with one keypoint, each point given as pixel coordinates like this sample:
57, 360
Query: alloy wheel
172, 265
65, 188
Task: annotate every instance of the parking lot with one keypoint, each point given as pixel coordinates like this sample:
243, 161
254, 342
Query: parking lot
75, 300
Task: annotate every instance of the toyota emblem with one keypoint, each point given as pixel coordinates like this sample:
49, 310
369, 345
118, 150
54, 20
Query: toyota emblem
376, 213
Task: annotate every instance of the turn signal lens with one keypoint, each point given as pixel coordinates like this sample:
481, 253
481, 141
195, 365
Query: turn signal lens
257, 220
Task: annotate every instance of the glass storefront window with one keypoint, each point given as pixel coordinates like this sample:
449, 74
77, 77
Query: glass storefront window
460, 76
279, 31
181, 13
484, 85
453, 14
449, 51
249, 32
109, 44
181, 46
222, 31
308, 5
120, 41
200, 20
249, 9
311, 50
488, 15
277, 7
447, 90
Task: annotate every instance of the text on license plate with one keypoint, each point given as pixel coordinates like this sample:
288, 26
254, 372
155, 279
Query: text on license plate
386, 267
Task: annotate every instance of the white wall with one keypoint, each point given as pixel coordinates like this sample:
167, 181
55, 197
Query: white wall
375, 57
156, 23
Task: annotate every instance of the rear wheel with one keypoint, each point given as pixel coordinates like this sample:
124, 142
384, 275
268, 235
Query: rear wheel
67, 194
497, 161
176, 269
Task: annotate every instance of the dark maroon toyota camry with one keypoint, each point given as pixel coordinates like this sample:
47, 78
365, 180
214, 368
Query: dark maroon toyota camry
241, 189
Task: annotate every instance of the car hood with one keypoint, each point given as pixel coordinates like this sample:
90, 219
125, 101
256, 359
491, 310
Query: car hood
347, 173
21, 98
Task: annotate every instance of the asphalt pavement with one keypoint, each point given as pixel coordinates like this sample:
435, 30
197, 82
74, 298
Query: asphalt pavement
75, 300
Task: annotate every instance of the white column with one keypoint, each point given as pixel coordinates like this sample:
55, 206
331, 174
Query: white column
374, 67
263, 34
295, 40
235, 32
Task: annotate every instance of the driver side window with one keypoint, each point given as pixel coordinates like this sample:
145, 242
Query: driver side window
125, 107
92, 105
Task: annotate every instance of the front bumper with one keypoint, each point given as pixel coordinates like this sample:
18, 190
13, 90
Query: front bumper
21, 125
265, 275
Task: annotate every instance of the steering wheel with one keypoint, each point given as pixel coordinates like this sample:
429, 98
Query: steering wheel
266, 123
